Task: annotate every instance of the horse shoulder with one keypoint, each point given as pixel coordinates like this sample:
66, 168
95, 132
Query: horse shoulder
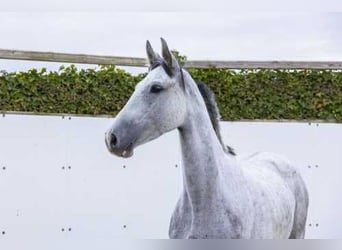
272, 180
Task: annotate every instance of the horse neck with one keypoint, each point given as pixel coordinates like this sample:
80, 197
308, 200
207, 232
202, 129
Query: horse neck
204, 160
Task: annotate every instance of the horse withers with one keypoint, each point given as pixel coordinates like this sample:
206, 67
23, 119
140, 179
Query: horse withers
261, 196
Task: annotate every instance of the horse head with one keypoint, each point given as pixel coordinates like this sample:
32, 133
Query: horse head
157, 106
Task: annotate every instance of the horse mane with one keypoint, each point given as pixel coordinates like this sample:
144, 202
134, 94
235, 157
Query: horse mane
209, 99
214, 114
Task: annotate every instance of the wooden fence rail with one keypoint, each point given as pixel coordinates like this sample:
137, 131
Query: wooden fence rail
141, 62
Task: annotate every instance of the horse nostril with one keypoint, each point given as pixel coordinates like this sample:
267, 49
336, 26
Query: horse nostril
113, 140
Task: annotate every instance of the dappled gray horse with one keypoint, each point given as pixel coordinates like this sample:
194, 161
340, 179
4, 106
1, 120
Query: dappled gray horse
224, 196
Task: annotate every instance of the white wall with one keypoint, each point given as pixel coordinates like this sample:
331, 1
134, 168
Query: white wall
102, 197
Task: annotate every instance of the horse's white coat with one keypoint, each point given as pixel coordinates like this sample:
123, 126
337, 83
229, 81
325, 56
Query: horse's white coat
262, 196
150, 114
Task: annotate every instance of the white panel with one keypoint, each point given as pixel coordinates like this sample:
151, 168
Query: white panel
119, 198
59, 175
32, 183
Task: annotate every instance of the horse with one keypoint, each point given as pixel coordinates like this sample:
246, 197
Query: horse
224, 195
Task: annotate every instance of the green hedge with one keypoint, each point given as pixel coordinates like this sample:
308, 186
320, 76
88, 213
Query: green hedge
276, 94
245, 94
86, 91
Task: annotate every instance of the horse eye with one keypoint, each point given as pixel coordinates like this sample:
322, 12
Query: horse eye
156, 88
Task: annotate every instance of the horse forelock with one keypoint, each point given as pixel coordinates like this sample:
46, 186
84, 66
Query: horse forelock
161, 62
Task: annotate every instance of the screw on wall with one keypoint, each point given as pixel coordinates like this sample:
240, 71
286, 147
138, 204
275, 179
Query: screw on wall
3, 168
3, 232
176, 165
3, 115
124, 166
69, 118
125, 226
63, 116
313, 166
313, 225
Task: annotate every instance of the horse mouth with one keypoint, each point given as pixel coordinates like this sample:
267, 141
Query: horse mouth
124, 152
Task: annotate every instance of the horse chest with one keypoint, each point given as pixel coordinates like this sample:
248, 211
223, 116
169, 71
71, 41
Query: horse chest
215, 221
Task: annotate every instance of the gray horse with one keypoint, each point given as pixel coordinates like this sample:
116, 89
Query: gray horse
224, 196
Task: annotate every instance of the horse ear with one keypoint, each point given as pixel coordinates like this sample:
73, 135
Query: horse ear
151, 55
171, 61
168, 57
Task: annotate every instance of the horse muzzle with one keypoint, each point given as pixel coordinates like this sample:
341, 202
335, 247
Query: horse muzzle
117, 148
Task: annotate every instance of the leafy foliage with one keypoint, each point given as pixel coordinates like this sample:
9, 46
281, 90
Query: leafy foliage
244, 94
181, 58
276, 94
86, 91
